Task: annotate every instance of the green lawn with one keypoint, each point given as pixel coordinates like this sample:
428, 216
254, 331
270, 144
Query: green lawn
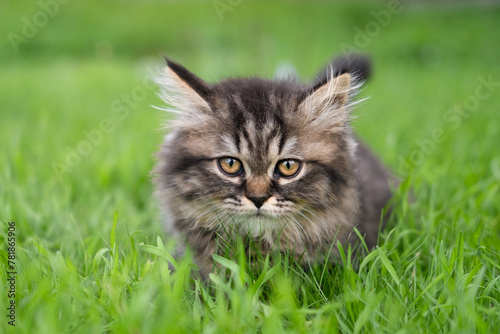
78, 133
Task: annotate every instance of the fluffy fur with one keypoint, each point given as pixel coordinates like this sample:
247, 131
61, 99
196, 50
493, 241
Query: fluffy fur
261, 122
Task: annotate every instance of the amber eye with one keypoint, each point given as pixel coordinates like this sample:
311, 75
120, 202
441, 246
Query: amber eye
288, 168
230, 166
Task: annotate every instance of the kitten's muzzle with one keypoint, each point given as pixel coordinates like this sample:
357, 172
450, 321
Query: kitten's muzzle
258, 201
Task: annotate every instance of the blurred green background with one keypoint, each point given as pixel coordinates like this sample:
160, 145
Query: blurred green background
75, 77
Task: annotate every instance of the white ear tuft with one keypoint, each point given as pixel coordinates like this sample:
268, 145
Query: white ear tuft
178, 95
331, 104
333, 94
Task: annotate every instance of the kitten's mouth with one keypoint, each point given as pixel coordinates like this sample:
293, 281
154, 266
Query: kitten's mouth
251, 214
259, 213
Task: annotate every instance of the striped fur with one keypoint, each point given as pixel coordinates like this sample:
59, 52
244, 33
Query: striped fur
261, 122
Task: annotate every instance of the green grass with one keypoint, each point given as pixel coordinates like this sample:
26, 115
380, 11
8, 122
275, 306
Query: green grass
91, 255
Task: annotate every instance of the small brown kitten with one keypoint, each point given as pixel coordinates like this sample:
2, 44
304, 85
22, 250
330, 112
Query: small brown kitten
275, 161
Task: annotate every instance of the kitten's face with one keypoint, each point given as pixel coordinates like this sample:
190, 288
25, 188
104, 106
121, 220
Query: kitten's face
254, 153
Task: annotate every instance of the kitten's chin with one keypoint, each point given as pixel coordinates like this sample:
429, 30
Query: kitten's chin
259, 224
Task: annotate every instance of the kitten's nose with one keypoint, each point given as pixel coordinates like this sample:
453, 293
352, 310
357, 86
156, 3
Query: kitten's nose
258, 190
258, 201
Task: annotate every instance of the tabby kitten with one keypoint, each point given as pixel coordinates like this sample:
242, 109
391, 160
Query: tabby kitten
271, 160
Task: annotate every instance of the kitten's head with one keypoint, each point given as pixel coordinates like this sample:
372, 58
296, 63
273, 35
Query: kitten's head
255, 153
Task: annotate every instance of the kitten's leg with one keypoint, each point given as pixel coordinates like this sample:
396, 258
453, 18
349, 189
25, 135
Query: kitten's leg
204, 246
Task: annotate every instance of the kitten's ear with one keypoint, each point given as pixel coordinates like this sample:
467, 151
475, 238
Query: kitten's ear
183, 90
331, 95
358, 66
329, 102
334, 93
